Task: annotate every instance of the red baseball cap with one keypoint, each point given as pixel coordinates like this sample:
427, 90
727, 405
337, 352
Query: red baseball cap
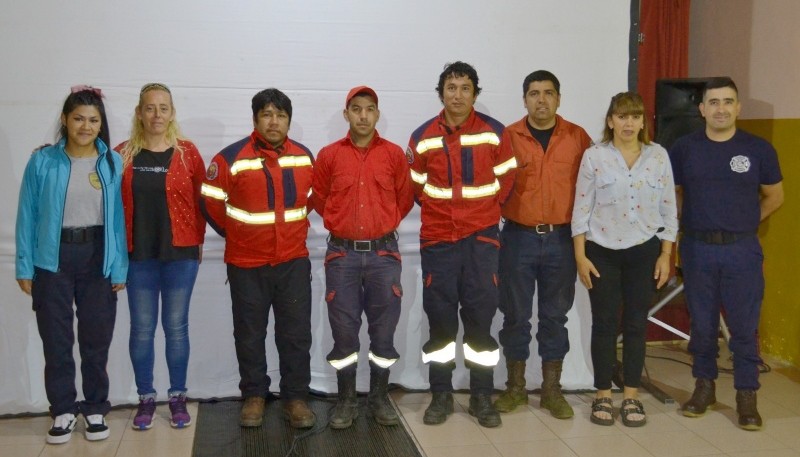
360, 90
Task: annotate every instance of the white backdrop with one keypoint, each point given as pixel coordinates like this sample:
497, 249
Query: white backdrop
215, 56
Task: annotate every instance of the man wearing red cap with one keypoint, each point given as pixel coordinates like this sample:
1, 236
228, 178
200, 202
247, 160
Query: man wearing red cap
362, 190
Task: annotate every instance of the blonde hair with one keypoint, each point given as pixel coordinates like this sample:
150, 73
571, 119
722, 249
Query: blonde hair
135, 144
622, 104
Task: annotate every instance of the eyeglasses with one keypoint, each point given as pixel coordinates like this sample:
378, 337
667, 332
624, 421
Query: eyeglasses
154, 86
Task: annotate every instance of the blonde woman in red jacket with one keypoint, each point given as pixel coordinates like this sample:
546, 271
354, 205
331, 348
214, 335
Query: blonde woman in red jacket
165, 229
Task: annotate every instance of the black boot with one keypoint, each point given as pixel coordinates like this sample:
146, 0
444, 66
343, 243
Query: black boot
749, 419
346, 409
441, 405
703, 397
480, 406
378, 399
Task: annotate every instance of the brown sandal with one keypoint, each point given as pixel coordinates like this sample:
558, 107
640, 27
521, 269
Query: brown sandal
602, 405
634, 406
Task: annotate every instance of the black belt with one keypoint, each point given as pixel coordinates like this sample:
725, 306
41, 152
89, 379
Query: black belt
81, 234
541, 229
363, 245
718, 237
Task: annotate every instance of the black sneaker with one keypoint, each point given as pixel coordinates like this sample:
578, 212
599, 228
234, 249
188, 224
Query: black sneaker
96, 428
62, 428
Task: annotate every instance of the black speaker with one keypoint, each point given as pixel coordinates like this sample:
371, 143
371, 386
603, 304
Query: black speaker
677, 111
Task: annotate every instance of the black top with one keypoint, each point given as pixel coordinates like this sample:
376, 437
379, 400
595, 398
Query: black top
542, 136
152, 229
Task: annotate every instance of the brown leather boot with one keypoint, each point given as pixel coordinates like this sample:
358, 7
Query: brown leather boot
704, 396
252, 414
298, 413
552, 398
516, 393
749, 419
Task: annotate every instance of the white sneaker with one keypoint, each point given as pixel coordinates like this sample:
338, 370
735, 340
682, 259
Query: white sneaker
62, 428
96, 428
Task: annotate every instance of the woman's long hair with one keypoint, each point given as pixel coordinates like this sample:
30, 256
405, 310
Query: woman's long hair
136, 142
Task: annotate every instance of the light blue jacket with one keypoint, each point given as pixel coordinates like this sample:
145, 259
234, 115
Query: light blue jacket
41, 212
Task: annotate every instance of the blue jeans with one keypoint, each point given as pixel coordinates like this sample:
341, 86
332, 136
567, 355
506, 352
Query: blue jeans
363, 282
174, 281
729, 276
528, 259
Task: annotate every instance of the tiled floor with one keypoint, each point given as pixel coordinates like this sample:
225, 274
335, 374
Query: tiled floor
526, 432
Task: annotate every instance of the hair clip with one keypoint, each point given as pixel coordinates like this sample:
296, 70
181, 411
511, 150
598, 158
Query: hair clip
83, 87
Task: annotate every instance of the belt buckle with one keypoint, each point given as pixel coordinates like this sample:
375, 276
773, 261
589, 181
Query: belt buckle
362, 245
544, 232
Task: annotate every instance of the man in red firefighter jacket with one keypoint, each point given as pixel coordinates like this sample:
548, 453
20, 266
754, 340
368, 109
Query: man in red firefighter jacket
461, 177
362, 190
256, 195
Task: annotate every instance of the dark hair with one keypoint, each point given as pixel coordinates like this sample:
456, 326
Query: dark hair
719, 82
271, 96
540, 75
625, 103
90, 97
457, 70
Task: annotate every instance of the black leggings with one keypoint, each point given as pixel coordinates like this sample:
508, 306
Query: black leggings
626, 279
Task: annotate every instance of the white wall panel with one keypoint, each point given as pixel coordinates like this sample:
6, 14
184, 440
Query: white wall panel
215, 56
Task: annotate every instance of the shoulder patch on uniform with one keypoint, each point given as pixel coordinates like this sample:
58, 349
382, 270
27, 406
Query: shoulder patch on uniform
212, 172
409, 155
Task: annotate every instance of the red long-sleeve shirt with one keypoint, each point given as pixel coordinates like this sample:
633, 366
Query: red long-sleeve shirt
362, 195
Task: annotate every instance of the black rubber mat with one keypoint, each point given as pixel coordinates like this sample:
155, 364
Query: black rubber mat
218, 434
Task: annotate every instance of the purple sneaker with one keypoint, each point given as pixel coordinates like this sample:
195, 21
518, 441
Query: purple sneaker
177, 408
144, 414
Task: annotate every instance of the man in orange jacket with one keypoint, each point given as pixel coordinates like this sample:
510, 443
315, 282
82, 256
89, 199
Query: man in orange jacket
537, 242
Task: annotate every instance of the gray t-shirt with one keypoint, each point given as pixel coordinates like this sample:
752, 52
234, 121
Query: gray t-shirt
84, 203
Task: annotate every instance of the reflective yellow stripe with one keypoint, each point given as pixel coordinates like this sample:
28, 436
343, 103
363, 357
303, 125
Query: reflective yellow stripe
246, 164
438, 192
485, 358
444, 355
419, 178
503, 168
294, 161
380, 361
480, 191
310, 191
430, 143
297, 214
264, 218
345, 362
248, 217
213, 192
480, 138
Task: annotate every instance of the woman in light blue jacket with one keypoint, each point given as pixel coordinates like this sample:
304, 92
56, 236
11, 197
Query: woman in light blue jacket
71, 250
